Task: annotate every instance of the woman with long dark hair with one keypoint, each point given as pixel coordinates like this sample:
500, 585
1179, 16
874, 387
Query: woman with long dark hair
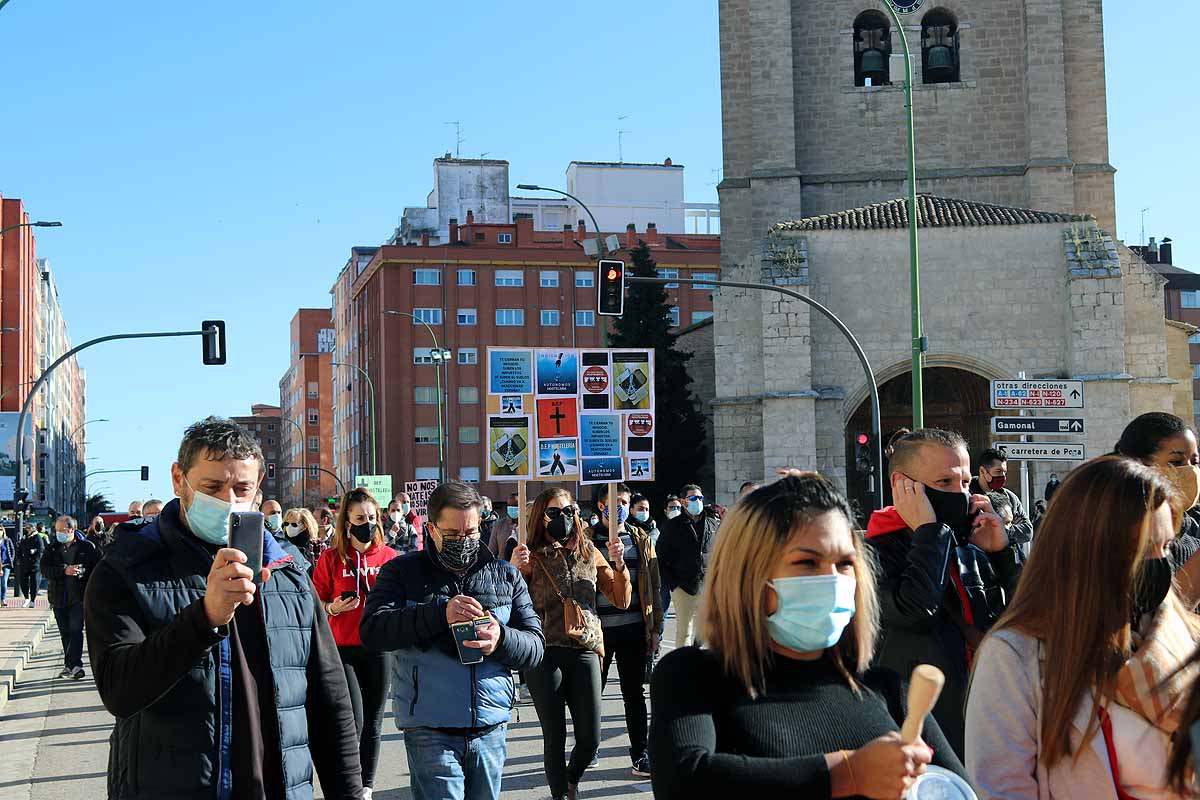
565, 571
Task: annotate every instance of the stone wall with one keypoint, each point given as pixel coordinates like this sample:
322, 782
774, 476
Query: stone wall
1180, 369
698, 340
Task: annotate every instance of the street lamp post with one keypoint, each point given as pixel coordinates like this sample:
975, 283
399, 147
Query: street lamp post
363, 372
914, 274
303, 485
71, 438
38, 224
439, 357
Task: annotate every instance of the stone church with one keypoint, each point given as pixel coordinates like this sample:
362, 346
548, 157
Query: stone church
1019, 269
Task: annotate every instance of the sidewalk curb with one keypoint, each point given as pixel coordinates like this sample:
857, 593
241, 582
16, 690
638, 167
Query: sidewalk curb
14, 663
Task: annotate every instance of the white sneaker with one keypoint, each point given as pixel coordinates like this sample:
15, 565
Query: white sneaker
367, 792
29, 604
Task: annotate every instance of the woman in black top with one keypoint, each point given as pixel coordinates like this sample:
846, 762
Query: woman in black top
781, 704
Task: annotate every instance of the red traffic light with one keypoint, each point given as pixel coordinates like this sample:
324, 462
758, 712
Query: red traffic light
863, 438
613, 274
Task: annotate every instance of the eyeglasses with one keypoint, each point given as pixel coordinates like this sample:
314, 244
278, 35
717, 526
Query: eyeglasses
674, 508
455, 536
553, 513
698, 497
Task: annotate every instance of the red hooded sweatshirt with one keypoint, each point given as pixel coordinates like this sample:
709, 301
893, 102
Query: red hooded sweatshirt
333, 575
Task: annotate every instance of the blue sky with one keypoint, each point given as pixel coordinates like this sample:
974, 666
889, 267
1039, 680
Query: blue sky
218, 160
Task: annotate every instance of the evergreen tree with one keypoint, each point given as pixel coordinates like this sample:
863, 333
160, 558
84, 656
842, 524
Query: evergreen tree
679, 438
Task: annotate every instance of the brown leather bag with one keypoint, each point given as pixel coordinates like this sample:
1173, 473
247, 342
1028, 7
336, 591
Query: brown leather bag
581, 625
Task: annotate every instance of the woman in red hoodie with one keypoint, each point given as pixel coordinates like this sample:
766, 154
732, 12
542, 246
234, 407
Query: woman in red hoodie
343, 576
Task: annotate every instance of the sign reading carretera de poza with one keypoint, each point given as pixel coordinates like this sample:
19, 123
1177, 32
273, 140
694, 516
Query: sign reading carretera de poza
1041, 451
1037, 394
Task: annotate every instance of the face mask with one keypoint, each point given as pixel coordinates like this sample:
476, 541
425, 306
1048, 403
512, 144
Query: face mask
594, 520
694, 507
641, 516
395, 516
512, 512
457, 555
273, 521
208, 517
405, 508
673, 513
997, 482
560, 527
1151, 585
63, 538
622, 514
813, 611
363, 532
293, 530
950, 508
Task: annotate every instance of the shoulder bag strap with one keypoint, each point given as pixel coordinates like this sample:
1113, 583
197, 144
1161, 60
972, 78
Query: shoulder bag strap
553, 583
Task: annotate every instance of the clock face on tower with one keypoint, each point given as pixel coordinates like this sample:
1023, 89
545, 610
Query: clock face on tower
906, 6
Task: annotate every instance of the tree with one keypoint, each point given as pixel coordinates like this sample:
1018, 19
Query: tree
680, 447
98, 504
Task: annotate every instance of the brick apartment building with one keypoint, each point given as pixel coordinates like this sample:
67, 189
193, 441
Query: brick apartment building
263, 423
306, 407
485, 284
1181, 298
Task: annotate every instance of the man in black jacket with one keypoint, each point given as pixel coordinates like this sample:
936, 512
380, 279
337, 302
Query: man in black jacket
947, 567
993, 477
222, 685
453, 704
67, 564
29, 558
683, 548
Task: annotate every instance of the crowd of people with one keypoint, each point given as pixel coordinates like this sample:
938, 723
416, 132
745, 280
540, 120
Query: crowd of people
1068, 640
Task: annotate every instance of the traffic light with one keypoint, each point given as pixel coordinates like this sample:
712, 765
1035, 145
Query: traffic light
862, 454
270, 472
145, 473
20, 500
610, 300
214, 342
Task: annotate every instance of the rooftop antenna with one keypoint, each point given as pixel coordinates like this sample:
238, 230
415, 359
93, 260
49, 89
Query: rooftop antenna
1144, 210
458, 137
621, 140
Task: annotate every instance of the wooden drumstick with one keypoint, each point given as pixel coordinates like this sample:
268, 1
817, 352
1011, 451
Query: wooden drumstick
923, 691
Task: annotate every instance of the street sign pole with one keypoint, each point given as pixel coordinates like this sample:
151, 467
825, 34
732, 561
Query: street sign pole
1024, 464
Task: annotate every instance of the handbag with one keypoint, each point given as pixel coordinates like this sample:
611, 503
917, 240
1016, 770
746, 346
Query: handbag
580, 624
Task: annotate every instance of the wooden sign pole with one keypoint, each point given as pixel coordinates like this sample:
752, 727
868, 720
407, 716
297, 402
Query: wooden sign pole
522, 515
612, 504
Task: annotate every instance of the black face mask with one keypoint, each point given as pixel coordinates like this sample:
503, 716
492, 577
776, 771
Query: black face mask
364, 532
952, 509
560, 527
1151, 585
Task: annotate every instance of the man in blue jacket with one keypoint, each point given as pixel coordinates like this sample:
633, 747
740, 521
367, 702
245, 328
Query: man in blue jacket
454, 715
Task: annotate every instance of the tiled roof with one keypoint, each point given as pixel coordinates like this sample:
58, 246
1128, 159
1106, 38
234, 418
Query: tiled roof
934, 212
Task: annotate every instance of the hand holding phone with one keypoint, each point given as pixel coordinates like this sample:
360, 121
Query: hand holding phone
246, 534
466, 636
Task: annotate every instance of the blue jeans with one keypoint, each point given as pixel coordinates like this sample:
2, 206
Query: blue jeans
445, 766
3, 584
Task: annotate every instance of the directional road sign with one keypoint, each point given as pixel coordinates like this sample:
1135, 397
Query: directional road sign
1041, 451
1037, 394
1051, 425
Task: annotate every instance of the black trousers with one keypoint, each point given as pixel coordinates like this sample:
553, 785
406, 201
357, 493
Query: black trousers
27, 582
568, 677
627, 644
367, 674
70, 631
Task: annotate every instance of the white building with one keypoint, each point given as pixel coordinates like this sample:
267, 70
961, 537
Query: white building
60, 417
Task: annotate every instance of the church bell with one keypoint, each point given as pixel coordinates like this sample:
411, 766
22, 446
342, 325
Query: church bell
939, 64
873, 65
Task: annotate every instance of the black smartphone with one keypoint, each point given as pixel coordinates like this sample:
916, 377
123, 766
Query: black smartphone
465, 632
349, 595
246, 534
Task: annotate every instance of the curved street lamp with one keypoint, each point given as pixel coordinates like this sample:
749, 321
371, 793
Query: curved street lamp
363, 372
303, 438
439, 357
38, 224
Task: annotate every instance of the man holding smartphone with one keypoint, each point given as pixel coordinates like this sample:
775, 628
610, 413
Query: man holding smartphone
453, 706
210, 700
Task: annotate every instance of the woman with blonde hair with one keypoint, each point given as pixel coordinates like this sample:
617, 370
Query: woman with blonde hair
300, 529
565, 571
782, 702
1052, 710
343, 576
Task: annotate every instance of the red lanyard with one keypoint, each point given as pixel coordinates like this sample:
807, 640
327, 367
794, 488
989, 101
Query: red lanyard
1106, 728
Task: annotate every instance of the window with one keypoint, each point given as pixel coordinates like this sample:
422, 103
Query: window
468, 395
669, 273
468, 316
509, 317
700, 316
430, 316
548, 278
704, 276
1196, 371
468, 474
1194, 338
425, 395
427, 474
427, 277
422, 355
939, 47
585, 319
314, 444
314, 471
468, 355
425, 435
510, 277
549, 318
468, 435
480, 237
466, 277
313, 417
503, 238
673, 313
872, 49
271, 426
1190, 299
585, 279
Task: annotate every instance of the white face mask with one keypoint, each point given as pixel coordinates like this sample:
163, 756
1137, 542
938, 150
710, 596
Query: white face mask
673, 513
292, 529
396, 516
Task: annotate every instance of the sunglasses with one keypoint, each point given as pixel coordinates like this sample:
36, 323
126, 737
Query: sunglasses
699, 497
554, 513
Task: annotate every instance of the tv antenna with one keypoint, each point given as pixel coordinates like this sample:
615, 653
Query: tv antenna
458, 137
621, 140
1144, 210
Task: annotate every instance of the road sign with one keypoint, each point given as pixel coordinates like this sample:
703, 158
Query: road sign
1051, 425
1037, 394
1041, 451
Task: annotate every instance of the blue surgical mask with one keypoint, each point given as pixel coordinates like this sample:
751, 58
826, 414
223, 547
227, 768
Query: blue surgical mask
694, 507
512, 512
622, 514
63, 538
208, 517
273, 521
813, 611
641, 516
405, 508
